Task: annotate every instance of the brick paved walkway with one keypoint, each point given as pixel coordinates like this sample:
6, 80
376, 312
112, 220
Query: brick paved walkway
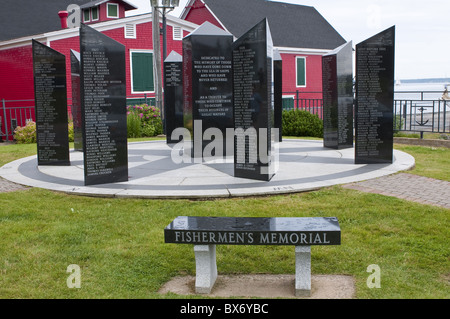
7, 186
414, 188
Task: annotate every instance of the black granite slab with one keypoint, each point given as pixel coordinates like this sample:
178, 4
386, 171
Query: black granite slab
253, 104
173, 95
374, 129
298, 231
278, 93
104, 117
337, 81
50, 90
207, 87
76, 100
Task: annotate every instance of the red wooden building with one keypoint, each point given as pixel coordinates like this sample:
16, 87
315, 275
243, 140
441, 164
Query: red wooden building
300, 33
106, 16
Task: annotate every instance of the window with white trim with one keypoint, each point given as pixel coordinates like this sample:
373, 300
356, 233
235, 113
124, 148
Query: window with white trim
142, 80
112, 10
86, 15
288, 102
300, 70
94, 14
91, 14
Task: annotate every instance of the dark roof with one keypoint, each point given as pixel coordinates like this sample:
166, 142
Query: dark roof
20, 18
291, 25
126, 4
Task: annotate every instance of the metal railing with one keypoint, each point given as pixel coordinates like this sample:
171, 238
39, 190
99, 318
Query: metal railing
414, 111
14, 113
422, 116
306, 101
424, 112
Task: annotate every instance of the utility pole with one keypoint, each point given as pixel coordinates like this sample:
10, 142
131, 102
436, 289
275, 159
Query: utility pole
166, 6
157, 66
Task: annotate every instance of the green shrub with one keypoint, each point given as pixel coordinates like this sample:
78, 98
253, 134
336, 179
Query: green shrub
149, 118
25, 134
71, 136
134, 125
301, 123
398, 123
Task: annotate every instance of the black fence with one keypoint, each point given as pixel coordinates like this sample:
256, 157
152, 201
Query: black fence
14, 113
413, 111
421, 112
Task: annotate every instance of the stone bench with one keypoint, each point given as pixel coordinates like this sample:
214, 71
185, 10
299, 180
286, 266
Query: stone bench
207, 232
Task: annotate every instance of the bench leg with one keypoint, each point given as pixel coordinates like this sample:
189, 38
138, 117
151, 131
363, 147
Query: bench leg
303, 271
206, 268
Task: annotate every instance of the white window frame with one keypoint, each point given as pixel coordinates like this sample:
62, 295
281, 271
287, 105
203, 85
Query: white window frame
131, 70
92, 15
84, 16
296, 70
107, 10
288, 97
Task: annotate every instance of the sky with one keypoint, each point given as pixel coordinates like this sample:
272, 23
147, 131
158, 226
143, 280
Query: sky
422, 29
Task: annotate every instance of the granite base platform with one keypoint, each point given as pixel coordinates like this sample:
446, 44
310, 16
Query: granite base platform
304, 165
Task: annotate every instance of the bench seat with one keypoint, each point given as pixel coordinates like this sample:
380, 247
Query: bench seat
207, 232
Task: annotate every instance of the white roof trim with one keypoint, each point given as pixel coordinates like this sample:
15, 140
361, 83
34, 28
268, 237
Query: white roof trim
188, 8
101, 26
305, 51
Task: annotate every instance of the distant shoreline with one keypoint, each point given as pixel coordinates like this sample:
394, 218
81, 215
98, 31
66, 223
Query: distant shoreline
430, 80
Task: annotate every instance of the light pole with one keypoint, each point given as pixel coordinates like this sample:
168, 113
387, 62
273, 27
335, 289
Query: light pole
165, 6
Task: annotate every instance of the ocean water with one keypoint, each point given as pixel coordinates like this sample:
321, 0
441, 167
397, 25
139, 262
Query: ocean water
412, 91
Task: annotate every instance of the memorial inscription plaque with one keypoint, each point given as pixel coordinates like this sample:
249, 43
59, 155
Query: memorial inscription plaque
207, 78
76, 100
52, 133
253, 104
173, 94
299, 231
337, 81
375, 99
278, 92
103, 97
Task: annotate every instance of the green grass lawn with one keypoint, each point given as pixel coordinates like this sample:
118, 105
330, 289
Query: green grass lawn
119, 243
431, 162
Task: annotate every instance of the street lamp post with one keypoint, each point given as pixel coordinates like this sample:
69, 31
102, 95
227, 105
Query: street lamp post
165, 6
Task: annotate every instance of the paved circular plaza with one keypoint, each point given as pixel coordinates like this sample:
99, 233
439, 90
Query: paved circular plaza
304, 165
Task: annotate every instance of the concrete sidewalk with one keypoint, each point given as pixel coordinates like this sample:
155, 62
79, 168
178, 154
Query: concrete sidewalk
414, 188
